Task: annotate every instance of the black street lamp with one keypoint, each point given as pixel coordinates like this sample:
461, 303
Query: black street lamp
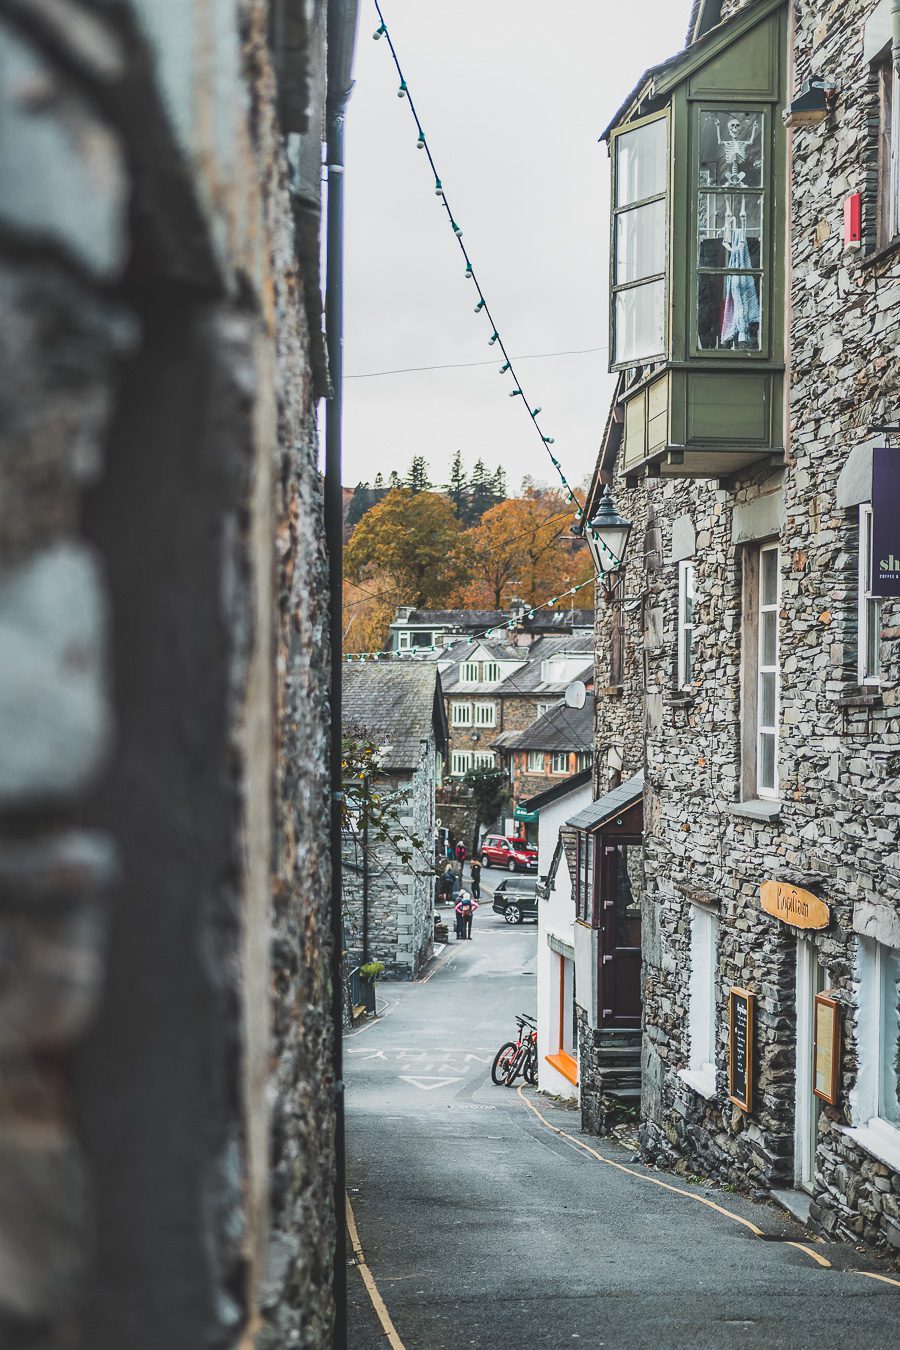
607, 535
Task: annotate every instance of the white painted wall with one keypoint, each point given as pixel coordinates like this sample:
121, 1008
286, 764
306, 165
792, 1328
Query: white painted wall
556, 916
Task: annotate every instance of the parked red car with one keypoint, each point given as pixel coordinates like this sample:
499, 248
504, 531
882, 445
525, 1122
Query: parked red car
516, 855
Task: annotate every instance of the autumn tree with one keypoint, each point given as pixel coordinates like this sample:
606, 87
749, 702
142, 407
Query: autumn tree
367, 614
409, 543
524, 548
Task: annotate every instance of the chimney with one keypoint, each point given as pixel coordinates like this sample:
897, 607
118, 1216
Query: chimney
520, 635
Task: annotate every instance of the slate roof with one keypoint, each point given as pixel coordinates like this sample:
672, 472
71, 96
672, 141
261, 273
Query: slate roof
528, 678
560, 789
609, 805
561, 728
399, 704
476, 619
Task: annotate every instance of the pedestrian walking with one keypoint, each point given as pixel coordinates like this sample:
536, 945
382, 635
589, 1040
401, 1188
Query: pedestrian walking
465, 912
460, 852
475, 870
448, 885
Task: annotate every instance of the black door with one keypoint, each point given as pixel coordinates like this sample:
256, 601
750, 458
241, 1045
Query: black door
619, 948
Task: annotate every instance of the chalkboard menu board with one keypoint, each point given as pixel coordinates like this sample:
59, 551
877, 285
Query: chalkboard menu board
740, 1068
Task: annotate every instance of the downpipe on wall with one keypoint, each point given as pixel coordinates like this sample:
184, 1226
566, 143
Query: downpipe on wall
342, 21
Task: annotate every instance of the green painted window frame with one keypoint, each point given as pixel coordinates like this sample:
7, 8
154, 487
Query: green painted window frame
615, 211
765, 272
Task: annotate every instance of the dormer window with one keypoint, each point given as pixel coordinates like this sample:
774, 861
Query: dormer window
468, 672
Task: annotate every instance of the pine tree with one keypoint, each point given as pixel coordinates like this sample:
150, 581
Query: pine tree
456, 488
417, 479
395, 480
481, 497
378, 485
498, 484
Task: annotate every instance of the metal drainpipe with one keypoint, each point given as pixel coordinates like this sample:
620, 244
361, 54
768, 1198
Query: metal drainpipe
342, 19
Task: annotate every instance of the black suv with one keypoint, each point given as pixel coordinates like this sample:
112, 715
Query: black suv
516, 900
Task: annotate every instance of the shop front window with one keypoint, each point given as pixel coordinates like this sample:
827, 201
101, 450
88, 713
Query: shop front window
730, 214
640, 241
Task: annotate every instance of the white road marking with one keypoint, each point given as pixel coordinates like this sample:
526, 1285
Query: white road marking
420, 1082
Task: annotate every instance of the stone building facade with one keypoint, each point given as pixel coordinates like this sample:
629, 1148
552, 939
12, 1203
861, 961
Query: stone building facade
167, 1118
389, 897
755, 681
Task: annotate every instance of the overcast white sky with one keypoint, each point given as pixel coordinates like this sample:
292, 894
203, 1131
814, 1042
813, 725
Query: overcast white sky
513, 95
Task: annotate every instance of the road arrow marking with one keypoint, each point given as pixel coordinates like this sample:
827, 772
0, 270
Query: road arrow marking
426, 1083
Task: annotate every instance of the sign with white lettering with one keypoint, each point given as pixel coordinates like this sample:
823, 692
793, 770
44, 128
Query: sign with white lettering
885, 578
799, 908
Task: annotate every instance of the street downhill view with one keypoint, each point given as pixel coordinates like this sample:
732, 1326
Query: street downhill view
487, 1217
449, 674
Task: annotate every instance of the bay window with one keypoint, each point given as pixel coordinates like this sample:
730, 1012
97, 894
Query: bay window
639, 242
730, 212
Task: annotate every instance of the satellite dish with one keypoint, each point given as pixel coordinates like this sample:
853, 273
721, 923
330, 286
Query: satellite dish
576, 694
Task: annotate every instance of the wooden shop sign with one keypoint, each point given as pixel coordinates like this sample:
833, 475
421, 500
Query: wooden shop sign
791, 904
740, 1043
827, 1049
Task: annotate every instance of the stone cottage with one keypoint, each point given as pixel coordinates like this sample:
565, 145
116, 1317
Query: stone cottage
555, 746
749, 649
389, 902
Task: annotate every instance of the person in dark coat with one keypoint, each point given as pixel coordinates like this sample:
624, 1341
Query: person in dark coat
448, 881
475, 869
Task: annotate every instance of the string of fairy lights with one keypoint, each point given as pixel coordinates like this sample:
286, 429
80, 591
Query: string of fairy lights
509, 624
507, 367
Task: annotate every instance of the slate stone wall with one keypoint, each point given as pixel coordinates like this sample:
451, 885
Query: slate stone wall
163, 680
836, 831
401, 896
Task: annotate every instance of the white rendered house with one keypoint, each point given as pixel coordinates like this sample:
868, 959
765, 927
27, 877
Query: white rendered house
557, 1049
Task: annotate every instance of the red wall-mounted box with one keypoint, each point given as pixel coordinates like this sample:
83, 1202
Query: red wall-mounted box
853, 220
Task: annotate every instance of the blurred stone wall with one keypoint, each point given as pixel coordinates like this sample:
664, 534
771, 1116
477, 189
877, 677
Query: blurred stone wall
166, 1109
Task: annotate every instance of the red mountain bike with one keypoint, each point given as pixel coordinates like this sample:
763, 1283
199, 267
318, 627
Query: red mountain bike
517, 1057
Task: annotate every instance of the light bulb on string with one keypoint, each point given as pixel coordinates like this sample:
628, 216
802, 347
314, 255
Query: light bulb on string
456, 230
515, 393
535, 412
479, 307
420, 143
504, 368
469, 273
438, 188
492, 339
401, 92
549, 440
379, 32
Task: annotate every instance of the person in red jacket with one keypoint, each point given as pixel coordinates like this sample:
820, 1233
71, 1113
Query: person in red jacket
465, 911
460, 853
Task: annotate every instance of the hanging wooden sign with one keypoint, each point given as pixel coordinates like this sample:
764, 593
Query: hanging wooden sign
826, 1049
793, 905
740, 1040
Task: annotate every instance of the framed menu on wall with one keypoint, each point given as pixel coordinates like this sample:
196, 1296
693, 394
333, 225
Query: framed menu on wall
826, 1049
740, 1042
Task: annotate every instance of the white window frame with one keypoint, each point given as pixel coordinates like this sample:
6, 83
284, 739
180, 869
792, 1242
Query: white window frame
868, 606
685, 624
460, 763
403, 641
485, 714
767, 729
544, 708
559, 762
876, 1134
469, 671
490, 672
583, 760
535, 762
460, 714
483, 759
700, 1073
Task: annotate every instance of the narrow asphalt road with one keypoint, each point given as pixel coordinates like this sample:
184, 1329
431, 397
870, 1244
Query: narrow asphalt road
482, 1227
